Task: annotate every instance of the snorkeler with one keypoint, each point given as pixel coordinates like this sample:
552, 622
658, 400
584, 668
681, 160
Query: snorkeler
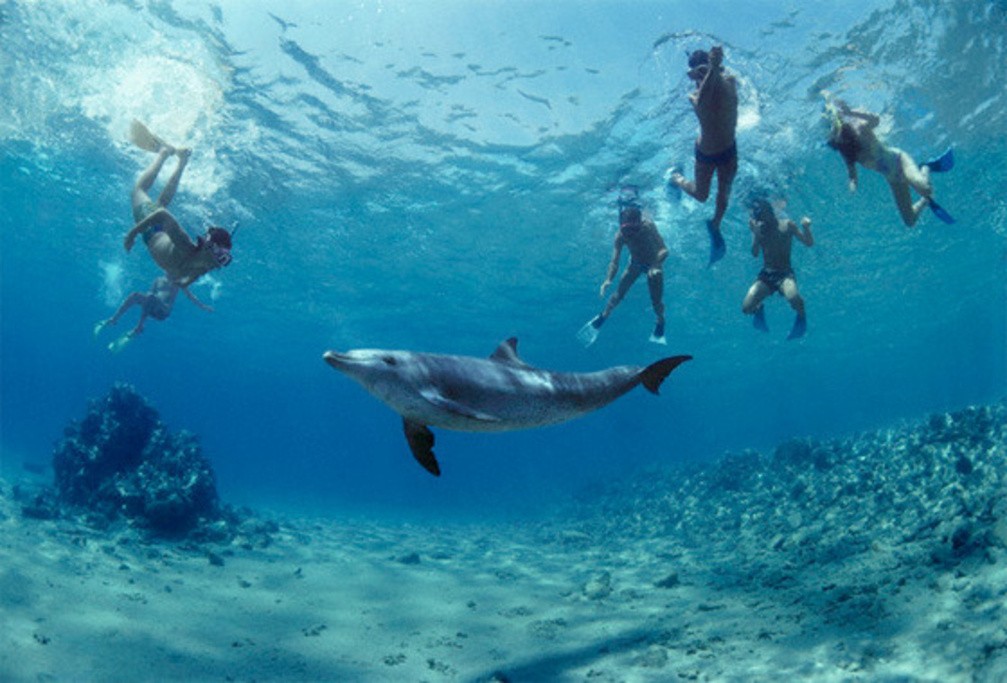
156, 304
852, 135
774, 238
182, 260
647, 254
715, 102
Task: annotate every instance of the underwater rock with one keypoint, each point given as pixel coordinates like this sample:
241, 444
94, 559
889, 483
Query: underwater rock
598, 587
670, 581
121, 461
40, 505
410, 558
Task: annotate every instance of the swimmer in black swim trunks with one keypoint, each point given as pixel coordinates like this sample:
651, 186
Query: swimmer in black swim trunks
773, 238
156, 304
715, 102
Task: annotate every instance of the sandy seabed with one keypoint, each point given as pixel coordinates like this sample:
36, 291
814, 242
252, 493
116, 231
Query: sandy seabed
750, 569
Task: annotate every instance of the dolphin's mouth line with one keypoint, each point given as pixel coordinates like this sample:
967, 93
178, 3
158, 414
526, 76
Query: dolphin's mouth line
335, 359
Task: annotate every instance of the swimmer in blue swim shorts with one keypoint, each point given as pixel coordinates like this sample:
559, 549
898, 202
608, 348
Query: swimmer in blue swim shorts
182, 259
156, 304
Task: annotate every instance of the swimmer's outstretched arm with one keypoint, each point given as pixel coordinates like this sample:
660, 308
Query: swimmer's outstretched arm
140, 227
756, 228
613, 265
193, 299
170, 226
714, 77
851, 171
804, 232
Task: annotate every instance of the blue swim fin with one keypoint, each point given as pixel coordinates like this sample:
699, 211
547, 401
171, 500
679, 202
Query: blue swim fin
943, 163
799, 328
759, 319
671, 188
940, 212
717, 246
588, 334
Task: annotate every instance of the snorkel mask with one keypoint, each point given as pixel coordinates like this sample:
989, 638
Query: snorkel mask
219, 242
699, 64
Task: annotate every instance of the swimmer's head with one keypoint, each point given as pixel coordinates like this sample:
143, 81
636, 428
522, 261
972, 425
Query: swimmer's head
219, 236
761, 209
699, 64
218, 241
630, 216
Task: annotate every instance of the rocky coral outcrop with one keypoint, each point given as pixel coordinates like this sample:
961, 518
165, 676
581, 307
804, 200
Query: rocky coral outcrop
121, 461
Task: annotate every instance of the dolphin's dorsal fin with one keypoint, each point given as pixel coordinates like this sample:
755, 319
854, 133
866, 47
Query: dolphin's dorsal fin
507, 353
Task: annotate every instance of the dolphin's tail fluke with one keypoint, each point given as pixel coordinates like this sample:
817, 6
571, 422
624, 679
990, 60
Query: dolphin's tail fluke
655, 373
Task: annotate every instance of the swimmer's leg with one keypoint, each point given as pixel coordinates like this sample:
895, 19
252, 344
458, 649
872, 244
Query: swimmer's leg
752, 305
134, 299
168, 193
655, 283
144, 183
789, 289
909, 211
700, 189
725, 179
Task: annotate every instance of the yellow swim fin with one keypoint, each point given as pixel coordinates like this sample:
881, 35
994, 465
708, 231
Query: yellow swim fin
141, 136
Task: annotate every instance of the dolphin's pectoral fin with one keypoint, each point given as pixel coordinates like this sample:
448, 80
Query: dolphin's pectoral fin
507, 353
444, 403
421, 443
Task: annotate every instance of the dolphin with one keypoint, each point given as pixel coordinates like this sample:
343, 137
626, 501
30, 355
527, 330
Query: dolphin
496, 394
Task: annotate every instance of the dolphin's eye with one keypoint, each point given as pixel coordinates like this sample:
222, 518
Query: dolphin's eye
389, 360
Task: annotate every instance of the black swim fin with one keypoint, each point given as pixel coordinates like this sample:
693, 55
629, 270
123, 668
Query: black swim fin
943, 163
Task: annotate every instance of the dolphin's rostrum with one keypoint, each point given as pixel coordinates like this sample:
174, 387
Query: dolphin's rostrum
495, 394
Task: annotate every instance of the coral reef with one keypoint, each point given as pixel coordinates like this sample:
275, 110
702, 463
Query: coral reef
121, 461
933, 492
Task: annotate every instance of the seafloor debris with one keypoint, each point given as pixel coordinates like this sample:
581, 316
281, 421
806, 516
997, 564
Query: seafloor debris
121, 461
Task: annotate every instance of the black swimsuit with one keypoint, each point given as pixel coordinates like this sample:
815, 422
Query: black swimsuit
720, 158
774, 278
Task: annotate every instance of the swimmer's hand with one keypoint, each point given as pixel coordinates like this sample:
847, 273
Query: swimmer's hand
716, 56
805, 222
853, 185
604, 288
755, 226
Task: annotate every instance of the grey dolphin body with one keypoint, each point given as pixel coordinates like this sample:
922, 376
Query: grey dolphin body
495, 394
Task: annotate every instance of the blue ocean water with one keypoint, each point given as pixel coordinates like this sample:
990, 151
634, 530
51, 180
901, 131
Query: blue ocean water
442, 175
